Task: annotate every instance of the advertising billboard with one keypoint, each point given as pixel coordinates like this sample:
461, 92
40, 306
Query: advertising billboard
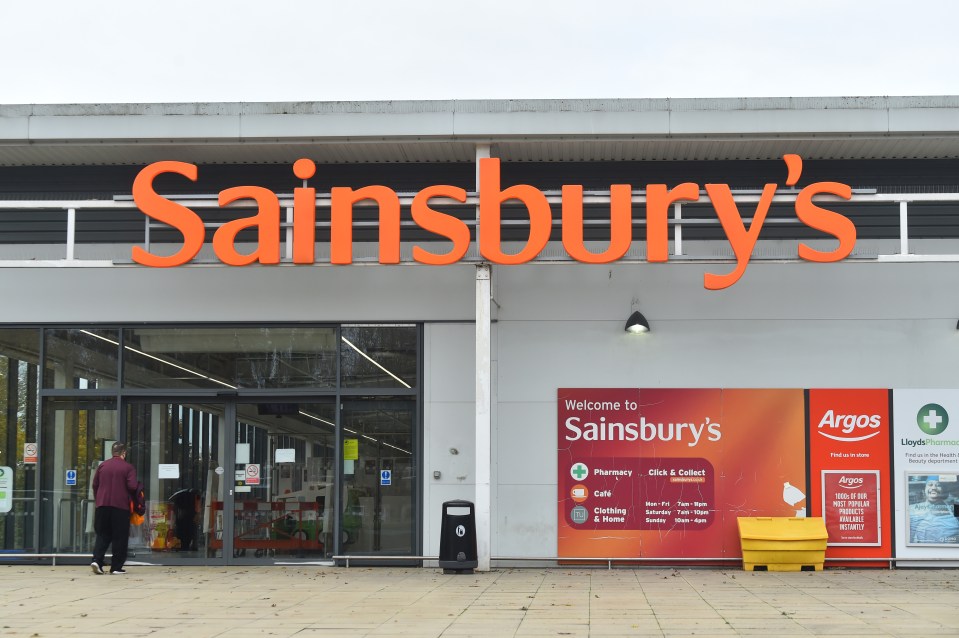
926, 466
849, 460
664, 473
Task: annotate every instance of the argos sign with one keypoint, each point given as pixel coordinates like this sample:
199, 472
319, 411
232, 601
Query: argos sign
849, 436
851, 482
849, 427
492, 196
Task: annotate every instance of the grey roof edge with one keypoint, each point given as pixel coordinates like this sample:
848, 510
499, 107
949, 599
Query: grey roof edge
614, 105
492, 120
706, 128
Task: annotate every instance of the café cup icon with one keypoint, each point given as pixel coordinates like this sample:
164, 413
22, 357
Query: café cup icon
579, 493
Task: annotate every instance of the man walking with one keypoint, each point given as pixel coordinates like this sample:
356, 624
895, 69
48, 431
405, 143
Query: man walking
114, 483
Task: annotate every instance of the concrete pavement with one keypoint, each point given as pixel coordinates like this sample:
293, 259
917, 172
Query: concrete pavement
305, 601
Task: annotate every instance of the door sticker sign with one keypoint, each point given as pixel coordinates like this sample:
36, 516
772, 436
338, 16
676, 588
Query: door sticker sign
253, 474
386, 477
71, 477
6, 489
29, 452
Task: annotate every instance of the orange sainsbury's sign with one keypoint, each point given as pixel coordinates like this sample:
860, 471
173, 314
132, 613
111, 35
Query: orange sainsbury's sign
492, 196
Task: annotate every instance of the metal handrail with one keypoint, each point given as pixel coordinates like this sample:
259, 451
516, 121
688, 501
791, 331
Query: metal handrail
892, 561
8, 556
70, 208
610, 561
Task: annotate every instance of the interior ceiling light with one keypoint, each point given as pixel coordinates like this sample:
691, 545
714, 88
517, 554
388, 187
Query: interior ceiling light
637, 324
373, 361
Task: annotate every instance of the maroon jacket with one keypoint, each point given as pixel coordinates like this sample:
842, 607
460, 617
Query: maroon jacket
114, 483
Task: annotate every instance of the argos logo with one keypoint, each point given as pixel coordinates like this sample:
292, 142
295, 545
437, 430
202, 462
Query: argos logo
851, 482
849, 427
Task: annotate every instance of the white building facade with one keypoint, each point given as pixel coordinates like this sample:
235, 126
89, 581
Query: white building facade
282, 411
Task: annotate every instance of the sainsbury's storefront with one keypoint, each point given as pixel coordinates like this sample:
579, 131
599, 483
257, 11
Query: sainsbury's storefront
314, 324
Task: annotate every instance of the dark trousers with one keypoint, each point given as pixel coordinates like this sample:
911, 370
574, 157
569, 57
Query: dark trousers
112, 525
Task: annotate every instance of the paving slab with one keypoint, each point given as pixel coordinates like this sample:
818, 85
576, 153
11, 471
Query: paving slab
306, 601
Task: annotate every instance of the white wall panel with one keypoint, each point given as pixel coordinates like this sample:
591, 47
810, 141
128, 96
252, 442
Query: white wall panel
525, 520
793, 326
768, 290
450, 367
449, 416
282, 293
525, 452
535, 359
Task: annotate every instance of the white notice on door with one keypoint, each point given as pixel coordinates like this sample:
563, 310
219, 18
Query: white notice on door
286, 455
168, 471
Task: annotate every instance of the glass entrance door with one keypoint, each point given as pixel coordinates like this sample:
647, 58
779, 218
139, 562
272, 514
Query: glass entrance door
284, 477
180, 452
233, 481
237, 481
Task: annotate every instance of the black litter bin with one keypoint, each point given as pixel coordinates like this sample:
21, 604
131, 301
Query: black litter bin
458, 538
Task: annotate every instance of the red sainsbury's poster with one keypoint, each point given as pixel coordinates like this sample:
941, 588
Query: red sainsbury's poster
664, 473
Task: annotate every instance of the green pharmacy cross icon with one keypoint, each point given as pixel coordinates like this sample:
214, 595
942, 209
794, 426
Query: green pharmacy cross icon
932, 418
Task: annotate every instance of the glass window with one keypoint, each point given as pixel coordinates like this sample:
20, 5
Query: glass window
76, 437
285, 507
82, 359
19, 380
263, 357
178, 449
379, 475
378, 356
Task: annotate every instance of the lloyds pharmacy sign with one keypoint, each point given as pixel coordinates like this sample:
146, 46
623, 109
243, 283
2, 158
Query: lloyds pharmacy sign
491, 195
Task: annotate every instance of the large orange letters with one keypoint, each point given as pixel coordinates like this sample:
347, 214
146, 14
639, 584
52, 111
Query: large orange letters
620, 224
341, 225
266, 221
441, 224
743, 241
163, 210
658, 199
492, 198
828, 221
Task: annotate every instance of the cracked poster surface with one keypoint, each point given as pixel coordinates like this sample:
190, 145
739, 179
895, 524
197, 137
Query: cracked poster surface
665, 472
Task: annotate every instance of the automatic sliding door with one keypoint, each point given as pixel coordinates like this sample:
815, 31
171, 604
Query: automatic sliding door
179, 451
284, 477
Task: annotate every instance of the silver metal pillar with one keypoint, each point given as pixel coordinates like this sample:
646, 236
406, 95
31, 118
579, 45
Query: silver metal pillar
483, 399
483, 421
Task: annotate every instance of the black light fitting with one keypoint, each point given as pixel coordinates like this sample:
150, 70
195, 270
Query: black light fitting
637, 324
